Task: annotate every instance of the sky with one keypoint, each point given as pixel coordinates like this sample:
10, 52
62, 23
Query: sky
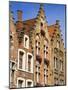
53, 12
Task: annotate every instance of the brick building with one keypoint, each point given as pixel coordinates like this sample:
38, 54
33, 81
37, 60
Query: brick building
57, 57
37, 54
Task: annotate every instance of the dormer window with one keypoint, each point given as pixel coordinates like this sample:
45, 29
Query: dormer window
26, 41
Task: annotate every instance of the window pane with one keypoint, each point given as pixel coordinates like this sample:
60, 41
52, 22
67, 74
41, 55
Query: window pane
20, 83
20, 60
29, 84
29, 62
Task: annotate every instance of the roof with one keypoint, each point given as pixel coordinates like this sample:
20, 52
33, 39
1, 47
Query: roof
29, 24
51, 30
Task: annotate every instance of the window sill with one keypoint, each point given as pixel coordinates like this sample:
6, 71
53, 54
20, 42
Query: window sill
24, 70
21, 69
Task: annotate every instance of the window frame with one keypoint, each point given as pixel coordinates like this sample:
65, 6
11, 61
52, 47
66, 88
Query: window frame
29, 80
31, 63
22, 79
24, 57
26, 36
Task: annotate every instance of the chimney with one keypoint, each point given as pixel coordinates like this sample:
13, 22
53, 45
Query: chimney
19, 15
19, 23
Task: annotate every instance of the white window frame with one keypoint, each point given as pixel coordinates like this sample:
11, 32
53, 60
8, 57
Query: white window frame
25, 36
31, 63
11, 61
29, 80
11, 69
19, 78
23, 68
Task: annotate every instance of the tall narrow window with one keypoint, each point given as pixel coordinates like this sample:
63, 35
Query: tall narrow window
45, 48
37, 44
45, 51
61, 65
41, 24
37, 71
29, 84
38, 77
55, 63
26, 41
11, 42
20, 83
21, 59
29, 62
37, 50
58, 44
12, 65
45, 74
12, 72
12, 77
